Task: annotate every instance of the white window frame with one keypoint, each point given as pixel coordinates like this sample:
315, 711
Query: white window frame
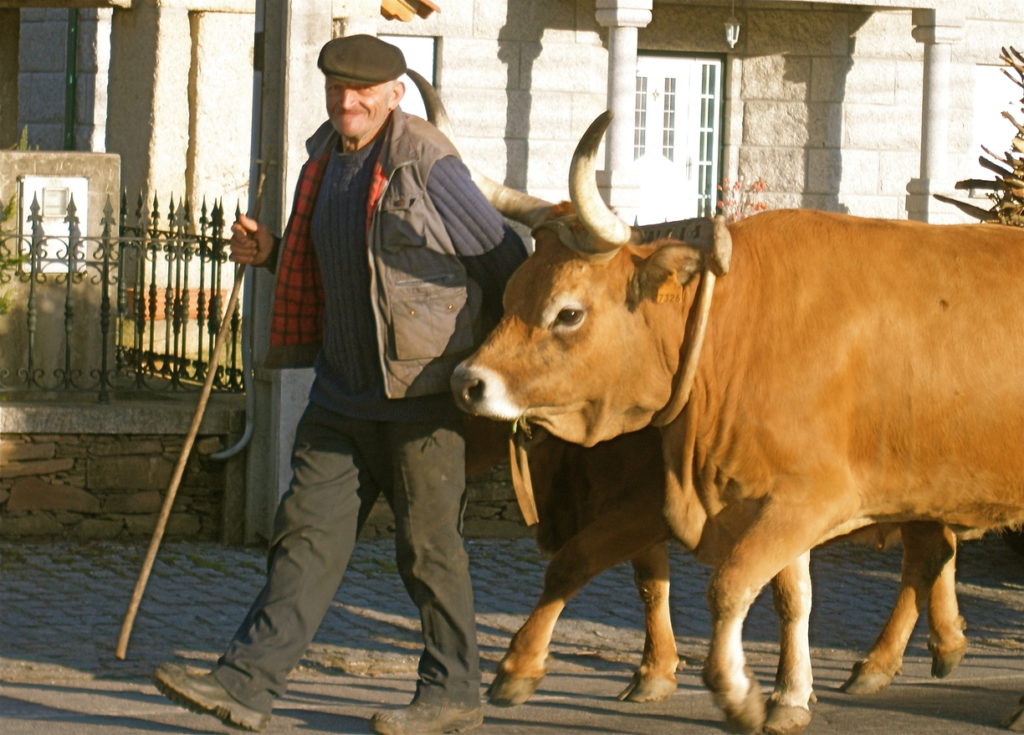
421, 56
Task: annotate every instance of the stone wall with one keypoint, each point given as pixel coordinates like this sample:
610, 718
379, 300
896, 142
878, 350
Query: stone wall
102, 471
84, 486
40, 60
74, 468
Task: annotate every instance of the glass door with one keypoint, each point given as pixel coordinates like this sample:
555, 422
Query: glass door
676, 135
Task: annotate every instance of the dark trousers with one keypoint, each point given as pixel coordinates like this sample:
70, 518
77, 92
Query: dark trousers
340, 466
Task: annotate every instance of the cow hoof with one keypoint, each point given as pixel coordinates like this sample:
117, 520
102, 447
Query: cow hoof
944, 664
748, 717
507, 691
865, 679
647, 689
786, 719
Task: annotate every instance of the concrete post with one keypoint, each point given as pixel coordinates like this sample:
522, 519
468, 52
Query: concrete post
937, 30
618, 180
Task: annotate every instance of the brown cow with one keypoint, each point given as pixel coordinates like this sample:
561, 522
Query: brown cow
602, 506
597, 508
854, 371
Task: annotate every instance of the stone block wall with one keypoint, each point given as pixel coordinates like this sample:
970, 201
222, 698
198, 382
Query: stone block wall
521, 82
41, 60
96, 486
92, 472
74, 468
41, 79
824, 100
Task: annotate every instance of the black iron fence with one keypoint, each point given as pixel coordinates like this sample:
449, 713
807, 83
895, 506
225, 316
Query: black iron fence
135, 308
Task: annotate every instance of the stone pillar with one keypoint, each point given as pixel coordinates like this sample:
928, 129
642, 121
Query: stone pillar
94, 34
10, 29
151, 52
618, 181
220, 137
938, 30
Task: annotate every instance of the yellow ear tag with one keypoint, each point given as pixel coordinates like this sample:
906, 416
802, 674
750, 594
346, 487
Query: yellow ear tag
670, 292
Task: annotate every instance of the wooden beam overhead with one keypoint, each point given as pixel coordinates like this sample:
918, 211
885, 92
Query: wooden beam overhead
406, 10
7, 4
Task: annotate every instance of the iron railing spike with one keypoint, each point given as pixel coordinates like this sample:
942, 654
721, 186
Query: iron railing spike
130, 258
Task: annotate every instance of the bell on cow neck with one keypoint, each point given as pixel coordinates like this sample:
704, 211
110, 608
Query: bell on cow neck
732, 31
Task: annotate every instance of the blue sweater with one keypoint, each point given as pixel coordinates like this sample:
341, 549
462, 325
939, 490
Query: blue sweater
348, 370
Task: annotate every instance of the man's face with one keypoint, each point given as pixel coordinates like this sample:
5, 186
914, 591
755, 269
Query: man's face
358, 112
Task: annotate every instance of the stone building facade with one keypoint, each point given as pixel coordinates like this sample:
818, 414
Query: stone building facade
866, 107
823, 100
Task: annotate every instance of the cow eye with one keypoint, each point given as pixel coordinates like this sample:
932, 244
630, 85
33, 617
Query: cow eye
569, 318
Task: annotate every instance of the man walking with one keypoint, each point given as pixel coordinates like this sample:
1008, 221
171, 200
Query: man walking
390, 272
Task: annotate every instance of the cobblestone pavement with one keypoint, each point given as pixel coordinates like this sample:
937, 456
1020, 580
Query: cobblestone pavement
61, 606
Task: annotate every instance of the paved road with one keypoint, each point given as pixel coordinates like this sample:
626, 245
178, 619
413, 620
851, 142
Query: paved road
61, 606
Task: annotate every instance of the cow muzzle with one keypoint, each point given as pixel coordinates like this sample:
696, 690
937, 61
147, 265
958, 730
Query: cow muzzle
483, 392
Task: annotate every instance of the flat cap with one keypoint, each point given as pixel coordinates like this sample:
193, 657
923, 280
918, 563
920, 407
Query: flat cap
361, 59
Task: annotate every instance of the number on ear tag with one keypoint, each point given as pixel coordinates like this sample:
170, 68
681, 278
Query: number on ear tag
670, 292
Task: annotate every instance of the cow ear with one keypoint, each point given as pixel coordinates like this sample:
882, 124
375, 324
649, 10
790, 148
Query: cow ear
661, 277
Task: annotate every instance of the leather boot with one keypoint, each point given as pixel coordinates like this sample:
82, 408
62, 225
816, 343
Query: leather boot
428, 718
202, 693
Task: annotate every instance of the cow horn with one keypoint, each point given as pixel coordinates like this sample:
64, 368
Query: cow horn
515, 205
607, 228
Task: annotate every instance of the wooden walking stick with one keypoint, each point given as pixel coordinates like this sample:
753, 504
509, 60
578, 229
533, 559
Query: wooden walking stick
186, 449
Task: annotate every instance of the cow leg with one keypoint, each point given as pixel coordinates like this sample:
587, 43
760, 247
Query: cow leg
779, 535
611, 539
523, 667
788, 710
946, 639
725, 670
928, 574
656, 677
